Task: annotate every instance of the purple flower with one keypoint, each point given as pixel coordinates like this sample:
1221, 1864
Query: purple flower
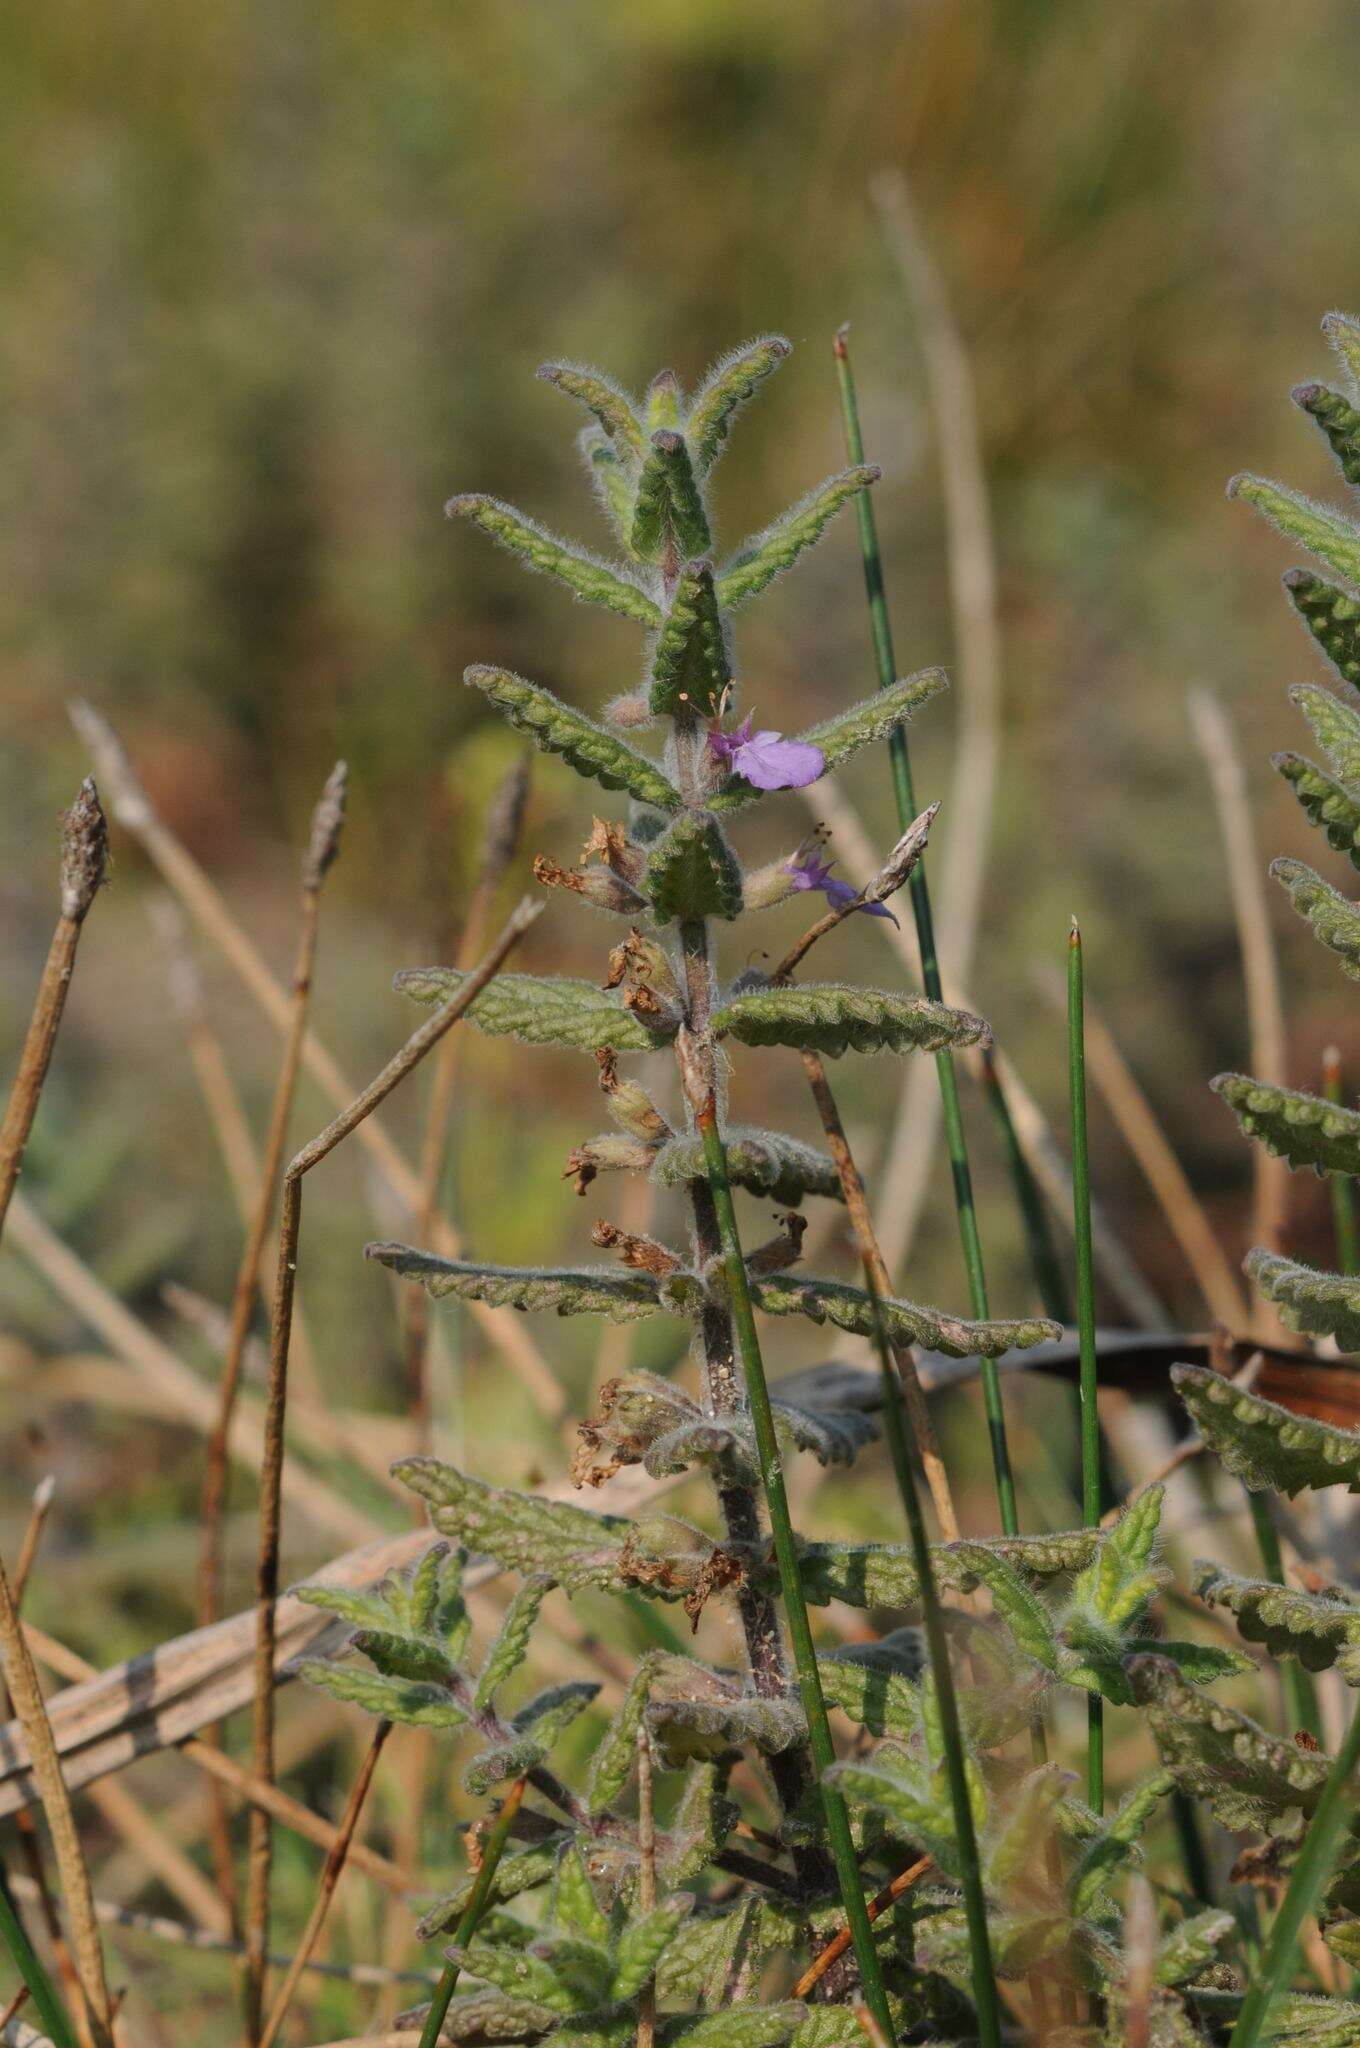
767, 759
810, 871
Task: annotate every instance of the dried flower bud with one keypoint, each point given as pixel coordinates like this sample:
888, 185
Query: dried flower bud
84, 851
903, 859
610, 1153
763, 887
610, 844
781, 1252
327, 822
629, 711
600, 886
640, 1254
128, 801
504, 823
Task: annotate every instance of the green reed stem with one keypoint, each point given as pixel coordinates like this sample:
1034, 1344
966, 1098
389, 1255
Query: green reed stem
496, 1840
956, 1142
1310, 1873
1086, 1318
1341, 1184
1300, 1699
791, 1585
47, 2006
1043, 1252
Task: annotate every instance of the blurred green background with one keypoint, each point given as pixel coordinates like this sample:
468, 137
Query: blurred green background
277, 278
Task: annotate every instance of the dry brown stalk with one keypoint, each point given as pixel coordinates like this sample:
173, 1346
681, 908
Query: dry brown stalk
135, 812
84, 859
904, 1358
322, 846
350, 1119
840, 1941
26, 1693
330, 1878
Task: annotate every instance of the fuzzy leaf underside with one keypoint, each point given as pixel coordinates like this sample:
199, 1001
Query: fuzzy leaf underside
838, 738
587, 1290
884, 1702
1314, 1303
767, 555
1248, 1777
1334, 919
588, 577
1320, 1629
763, 1162
1305, 1129
414, 1704
883, 1574
1323, 802
1335, 726
692, 872
690, 1729
521, 1533
833, 1019
1266, 1446
1324, 532
540, 1009
852, 1308
611, 407
1332, 616
725, 390
557, 728
690, 657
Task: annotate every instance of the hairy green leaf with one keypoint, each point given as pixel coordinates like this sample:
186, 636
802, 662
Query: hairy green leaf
611, 1766
611, 476
485, 2017
1338, 421
701, 1824
1324, 803
830, 1018
1248, 1777
1334, 918
1024, 1614
585, 746
644, 1942
692, 872
1203, 1663
1332, 616
1325, 533
668, 508
501, 1761
511, 1645
1305, 1129
697, 1729
540, 1009
1264, 1445
395, 1699
839, 737
1318, 1304
1109, 1850
408, 1656
766, 555
575, 1906
1320, 1629
725, 390
522, 1533
568, 1291
1299, 2019
612, 407
516, 1971
588, 577
519, 1870
883, 1701
1335, 726
852, 1308
739, 2026
763, 1162
690, 662
1191, 1947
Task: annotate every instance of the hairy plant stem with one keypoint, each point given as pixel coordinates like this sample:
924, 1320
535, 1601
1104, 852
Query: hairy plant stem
956, 1143
476, 1906
1086, 1321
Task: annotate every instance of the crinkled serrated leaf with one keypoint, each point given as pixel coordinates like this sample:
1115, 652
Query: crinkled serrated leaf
576, 1910
668, 508
711, 1947
581, 1291
1335, 726
700, 1826
551, 1712
499, 1762
516, 1972
1304, 1129
611, 1766
1300, 2019
883, 1701
489, 2016
1203, 1663
1023, 1828
832, 1019
766, 555
519, 1870
612, 477
1315, 1303
1339, 423
883, 1575
833, 1436
1334, 919
740, 2026
692, 872
511, 1645
690, 660
1267, 1446
1249, 1778
1192, 1946
644, 1942
592, 750
690, 1730
581, 1965
1326, 533
853, 1308
572, 1545
1324, 802
1112, 1847
1320, 1629
837, 738
585, 574
541, 1009
904, 1802
420, 1658
1024, 1614
1332, 616
394, 1699
727, 387
765, 1163
611, 406
361, 1610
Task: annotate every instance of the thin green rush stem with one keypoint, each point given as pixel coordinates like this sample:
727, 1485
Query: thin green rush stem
472, 1912
1043, 1252
791, 1585
1311, 1869
956, 1143
1342, 1185
46, 2004
1086, 1319
1300, 1700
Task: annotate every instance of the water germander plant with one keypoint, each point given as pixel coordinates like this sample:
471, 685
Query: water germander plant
728, 1870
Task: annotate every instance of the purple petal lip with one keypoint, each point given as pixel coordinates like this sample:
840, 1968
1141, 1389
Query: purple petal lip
769, 761
811, 872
